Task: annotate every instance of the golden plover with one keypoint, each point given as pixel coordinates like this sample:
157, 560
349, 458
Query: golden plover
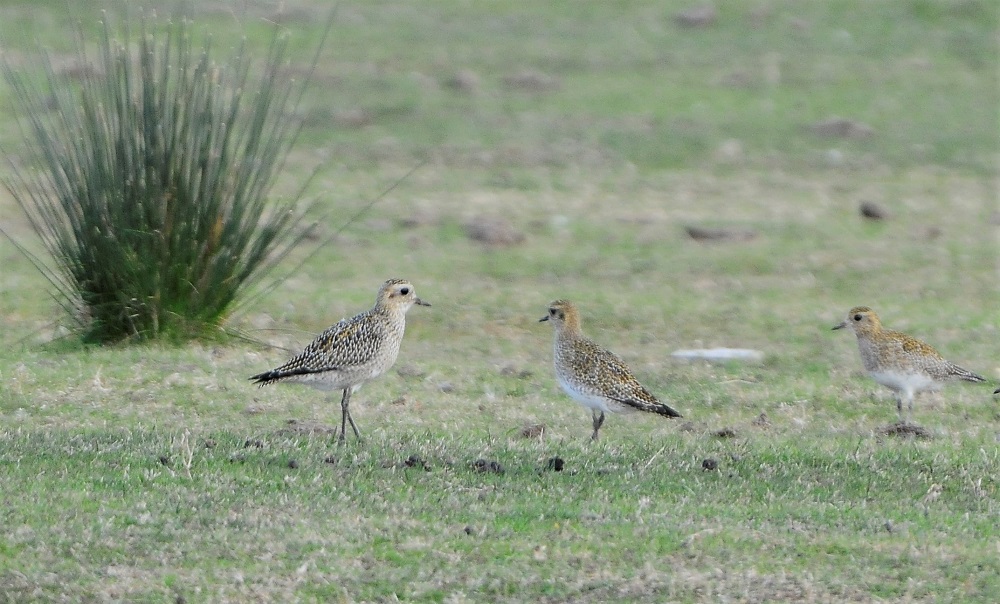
593, 376
902, 363
353, 351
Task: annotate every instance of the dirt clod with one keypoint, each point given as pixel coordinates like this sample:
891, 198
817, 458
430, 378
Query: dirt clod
905, 429
294, 465
512, 371
838, 127
556, 464
872, 211
720, 233
724, 433
414, 461
494, 231
487, 466
709, 464
533, 431
697, 16
465, 81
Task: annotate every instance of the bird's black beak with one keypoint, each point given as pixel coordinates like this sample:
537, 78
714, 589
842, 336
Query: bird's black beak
421, 302
842, 325
545, 318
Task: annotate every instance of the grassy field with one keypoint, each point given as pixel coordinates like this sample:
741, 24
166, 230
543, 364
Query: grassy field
596, 133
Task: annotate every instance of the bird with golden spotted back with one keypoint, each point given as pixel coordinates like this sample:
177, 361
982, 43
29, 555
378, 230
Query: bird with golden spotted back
900, 362
353, 351
593, 376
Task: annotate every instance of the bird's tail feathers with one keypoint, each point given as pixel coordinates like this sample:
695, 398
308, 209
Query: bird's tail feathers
966, 375
657, 408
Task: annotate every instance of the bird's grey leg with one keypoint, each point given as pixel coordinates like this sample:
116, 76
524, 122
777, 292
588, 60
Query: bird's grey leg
598, 422
350, 419
345, 415
899, 407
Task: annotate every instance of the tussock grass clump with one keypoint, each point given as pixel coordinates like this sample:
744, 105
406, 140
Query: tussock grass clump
152, 179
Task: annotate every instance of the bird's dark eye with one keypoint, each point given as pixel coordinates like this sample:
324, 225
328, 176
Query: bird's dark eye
857, 317
552, 312
405, 291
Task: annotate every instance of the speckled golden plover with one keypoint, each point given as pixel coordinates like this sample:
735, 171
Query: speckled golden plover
901, 363
353, 351
593, 376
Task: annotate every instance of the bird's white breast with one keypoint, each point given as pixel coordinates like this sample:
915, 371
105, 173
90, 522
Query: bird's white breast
901, 381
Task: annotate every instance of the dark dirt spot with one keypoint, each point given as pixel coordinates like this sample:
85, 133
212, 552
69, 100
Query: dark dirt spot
511, 371
709, 464
872, 211
697, 16
532, 430
414, 461
465, 81
210, 443
724, 433
494, 231
165, 460
410, 371
469, 530
761, 421
329, 459
720, 233
294, 465
238, 458
255, 443
491, 467
838, 127
555, 464
905, 429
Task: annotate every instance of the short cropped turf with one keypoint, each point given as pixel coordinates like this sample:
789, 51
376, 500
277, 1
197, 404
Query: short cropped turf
564, 151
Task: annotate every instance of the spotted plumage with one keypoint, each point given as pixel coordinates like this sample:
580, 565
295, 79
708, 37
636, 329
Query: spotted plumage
594, 376
353, 351
901, 363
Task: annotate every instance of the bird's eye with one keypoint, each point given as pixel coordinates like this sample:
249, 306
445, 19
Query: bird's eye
405, 291
857, 317
552, 312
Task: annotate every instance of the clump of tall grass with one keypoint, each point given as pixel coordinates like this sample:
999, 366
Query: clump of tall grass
150, 178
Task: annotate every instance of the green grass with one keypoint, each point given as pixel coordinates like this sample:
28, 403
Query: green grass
601, 172
167, 515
